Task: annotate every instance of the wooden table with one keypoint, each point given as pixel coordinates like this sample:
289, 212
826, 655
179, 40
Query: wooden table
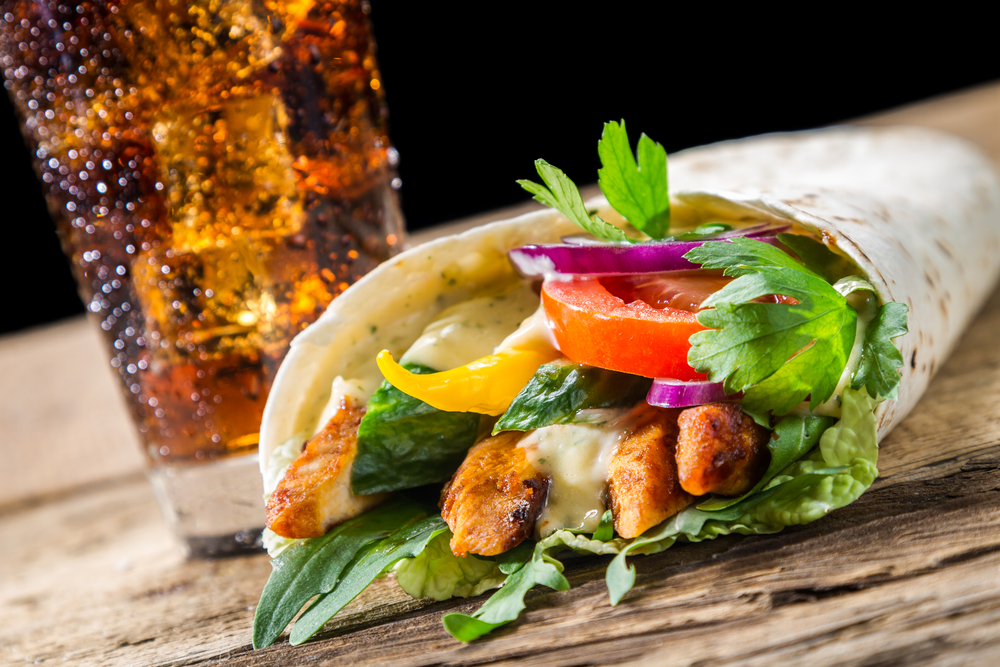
909, 574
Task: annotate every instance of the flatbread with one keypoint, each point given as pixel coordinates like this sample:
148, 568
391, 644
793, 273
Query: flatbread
917, 210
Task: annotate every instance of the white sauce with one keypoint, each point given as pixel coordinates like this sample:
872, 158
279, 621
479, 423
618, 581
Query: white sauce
460, 334
576, 457
357, 391
470, 330
533, 332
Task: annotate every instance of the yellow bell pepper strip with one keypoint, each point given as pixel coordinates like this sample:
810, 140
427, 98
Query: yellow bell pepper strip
486, 386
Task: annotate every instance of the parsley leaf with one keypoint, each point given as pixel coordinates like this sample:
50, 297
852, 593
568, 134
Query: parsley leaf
878, 370
563, 195
777, 354
638, 192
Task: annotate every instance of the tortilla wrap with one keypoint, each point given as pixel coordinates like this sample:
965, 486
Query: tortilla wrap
918, 211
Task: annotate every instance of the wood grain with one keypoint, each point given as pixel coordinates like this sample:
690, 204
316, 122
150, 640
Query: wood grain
907, 575
62, 420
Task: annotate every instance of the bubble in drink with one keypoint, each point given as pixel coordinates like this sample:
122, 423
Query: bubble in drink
219, 171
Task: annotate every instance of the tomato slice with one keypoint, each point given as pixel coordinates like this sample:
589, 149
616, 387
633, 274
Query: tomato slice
594, 325
682, 290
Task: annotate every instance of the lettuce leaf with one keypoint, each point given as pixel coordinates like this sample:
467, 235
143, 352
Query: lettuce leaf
438, 573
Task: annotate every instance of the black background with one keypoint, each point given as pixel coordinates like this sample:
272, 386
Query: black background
477, 91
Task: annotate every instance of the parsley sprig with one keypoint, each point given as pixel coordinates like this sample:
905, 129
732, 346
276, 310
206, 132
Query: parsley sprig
637, 190
780, 354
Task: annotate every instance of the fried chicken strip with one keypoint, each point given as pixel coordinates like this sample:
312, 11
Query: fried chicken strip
494, 498
315, 493
642, 476
720, 450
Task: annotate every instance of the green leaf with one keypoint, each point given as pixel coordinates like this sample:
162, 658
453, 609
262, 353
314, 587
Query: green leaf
606, 529
404, 443
878, 370
777, 354
638, 192
560, 389
506, 604
438, 573
795, 435
370, 562
563, 195
313, 566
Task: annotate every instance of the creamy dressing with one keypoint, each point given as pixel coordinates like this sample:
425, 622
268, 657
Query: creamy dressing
533, 332
460, 334
470, 330
356, 390
576, 457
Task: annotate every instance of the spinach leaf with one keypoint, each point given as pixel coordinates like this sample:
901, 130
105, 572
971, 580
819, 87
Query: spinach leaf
404, 443
796, 435
560, 389
314, 566
406, 542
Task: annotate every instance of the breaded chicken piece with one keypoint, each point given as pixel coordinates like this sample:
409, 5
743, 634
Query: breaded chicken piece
494, 498
720, 450
315, 493
642, 476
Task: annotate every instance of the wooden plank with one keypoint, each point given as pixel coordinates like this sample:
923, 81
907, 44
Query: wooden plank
62, 417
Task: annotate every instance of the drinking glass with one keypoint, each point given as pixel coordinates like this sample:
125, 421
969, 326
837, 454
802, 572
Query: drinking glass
218, 170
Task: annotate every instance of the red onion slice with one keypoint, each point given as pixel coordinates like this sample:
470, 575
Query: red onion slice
667, 393
594, 260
